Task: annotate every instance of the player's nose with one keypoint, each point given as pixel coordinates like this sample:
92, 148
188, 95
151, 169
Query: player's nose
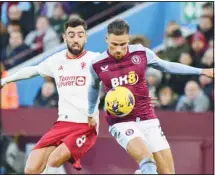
75, 39
118, 49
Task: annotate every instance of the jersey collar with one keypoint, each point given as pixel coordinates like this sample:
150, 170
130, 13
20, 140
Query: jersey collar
116, 59
76, 57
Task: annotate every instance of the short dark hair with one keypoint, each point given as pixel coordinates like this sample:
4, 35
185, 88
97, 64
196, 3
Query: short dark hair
118, 27
14, 22
206, 16
207, 5
74, 21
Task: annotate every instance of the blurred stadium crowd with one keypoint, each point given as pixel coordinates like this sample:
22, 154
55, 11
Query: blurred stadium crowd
31, 28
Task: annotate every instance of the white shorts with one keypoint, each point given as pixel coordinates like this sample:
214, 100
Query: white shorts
149, 130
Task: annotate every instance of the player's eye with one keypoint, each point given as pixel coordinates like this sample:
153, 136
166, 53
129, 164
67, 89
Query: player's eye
115, 44
71, 35
123, 44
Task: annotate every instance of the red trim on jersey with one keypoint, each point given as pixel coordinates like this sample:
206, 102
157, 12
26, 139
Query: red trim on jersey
76, 57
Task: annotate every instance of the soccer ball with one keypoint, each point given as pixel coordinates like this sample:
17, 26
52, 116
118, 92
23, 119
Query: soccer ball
119, 101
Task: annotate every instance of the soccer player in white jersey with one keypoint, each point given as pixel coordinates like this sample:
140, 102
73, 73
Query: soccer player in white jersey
125, 65
71, 137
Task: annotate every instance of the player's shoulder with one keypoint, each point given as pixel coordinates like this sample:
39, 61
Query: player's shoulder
100, 57
136, 48
140, 47
90, 56
54, 57
93, 54
58, 55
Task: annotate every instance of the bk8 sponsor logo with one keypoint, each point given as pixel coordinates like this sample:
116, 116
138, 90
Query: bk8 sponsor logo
131, 78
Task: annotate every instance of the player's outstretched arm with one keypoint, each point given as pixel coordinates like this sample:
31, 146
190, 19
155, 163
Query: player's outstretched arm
22, 74
176, 68
93, 96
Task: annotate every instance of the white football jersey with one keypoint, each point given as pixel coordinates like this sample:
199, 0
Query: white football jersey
72, 77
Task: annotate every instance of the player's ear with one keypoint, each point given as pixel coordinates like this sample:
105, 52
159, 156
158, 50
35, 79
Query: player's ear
106, 38
64, 37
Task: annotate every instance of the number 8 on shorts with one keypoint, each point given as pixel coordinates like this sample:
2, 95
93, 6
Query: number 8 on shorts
81, 140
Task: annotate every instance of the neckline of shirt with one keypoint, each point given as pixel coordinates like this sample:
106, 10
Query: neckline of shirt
75, 57
115, 58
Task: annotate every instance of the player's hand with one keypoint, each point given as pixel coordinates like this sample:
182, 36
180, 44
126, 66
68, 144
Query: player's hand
153, 101
91, 122
208, 72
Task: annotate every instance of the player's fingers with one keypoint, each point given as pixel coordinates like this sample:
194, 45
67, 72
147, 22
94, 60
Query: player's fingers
91, 124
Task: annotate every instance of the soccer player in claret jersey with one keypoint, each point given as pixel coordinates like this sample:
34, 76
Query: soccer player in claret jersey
71, 137
139, 133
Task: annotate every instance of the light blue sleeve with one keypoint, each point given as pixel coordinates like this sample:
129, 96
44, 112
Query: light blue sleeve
93, 91
171, 67
4, 17
24, 6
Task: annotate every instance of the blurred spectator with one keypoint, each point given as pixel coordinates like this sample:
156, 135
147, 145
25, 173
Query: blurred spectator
14, 26
175, 43
139, 39
44, 37
58, 19
206, 84
211, 43
4, 36
206, 27
47, 96
9, 94
178, 82
39, 8
207, 60
153, 78
185, 58
16, 51
167, 99
207, 10
14, 13
42, 8
198, 44
194, 99
170, 28
21, 12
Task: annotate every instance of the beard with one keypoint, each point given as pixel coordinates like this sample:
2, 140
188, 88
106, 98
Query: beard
75, 51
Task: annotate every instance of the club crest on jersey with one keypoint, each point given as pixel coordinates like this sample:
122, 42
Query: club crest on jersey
104, 68
136, 59
131, 78
83, 65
